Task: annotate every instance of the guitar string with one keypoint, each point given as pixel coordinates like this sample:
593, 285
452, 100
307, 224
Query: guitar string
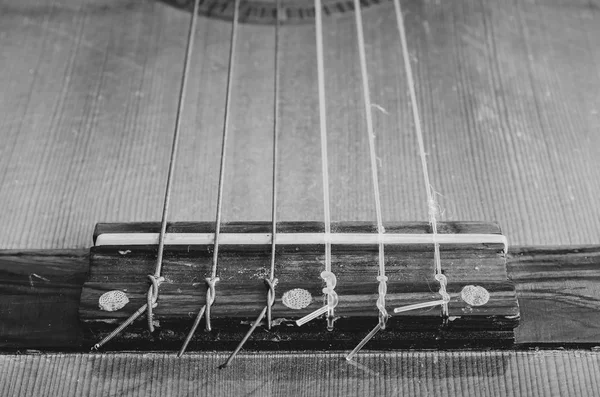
327, 275
270, 282
382, 278
156, 279
432, 205
213, 279
431, 201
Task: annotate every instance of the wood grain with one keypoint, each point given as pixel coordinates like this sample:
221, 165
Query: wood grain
509, 96
90, 84
547, 296
40, 293
241, 291
569, 315
508, 93
493, 373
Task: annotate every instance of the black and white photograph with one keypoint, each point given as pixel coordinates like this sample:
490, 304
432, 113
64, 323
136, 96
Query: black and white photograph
299, 198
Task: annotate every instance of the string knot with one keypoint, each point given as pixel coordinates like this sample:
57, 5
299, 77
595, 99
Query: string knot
210, 292
152, 298
332, 296
445, 296
271, 283
330, 282
383, 314
210, 297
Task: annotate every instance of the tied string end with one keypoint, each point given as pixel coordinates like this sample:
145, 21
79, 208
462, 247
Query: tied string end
383, 318
210, 298
434, 211
441, 278
332, 302
271, 284
245, 339
332, 297
382, 279
363, 342
205, 309
443, 302
383, 314
152, 298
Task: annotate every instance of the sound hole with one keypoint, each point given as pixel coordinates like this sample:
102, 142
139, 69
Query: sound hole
265, 12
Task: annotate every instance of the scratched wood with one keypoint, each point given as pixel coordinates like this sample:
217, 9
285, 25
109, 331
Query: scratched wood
509, 104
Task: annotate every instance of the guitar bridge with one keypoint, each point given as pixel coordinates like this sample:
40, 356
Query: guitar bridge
482, 310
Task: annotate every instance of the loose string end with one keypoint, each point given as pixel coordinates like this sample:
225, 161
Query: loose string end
363, 342
120, 328
192, 332
332, 302
362, 368
312, 316
245, 339
269, 318
332, 296
421, 305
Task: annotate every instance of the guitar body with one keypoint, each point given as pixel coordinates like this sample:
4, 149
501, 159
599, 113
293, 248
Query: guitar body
508, 98
88, 132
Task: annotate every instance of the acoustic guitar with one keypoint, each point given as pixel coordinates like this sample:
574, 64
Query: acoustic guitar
299, 197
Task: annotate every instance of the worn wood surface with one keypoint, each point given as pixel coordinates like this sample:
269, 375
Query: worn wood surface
543, 373
557, 290
40, 292
552, 303
508, 91
241, 290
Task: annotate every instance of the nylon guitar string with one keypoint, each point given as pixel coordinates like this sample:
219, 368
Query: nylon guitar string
156, 279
